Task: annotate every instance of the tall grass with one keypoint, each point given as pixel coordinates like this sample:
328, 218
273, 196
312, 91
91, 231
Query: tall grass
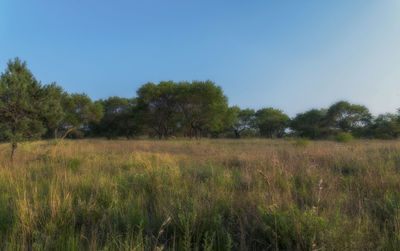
202, 195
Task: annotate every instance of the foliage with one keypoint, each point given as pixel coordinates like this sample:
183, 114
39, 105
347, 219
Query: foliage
159, 103
120, 119
302, 142
54, 113
23, 104
344, 137
347, 117
311, 124
193, 109
244, 120
385, 126
29, 110
204, 108
79, 110
271, 122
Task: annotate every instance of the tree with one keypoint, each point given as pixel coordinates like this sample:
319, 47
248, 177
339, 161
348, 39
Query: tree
158, 104
311, 124
385, 126
243, 120
120, 118
23, 102
79, 111
195, 108
271, 122
203, 106
54, 113
346, 117
227, 119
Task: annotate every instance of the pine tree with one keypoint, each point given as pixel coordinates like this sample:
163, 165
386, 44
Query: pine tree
22, 103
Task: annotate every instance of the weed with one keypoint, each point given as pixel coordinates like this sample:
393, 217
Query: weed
249, 194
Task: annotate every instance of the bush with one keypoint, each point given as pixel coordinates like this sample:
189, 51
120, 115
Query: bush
344, 137
302, 142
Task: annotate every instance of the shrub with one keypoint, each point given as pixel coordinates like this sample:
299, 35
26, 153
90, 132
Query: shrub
344, 137
302, 142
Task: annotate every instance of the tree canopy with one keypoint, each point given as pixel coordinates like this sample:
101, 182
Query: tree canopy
23, 104
192, 109
30, 110
385, 126
243, 120
271, 122
347, 117
311, 124
120, 118
79, 110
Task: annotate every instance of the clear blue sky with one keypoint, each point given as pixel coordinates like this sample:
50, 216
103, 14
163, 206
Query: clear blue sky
292, 55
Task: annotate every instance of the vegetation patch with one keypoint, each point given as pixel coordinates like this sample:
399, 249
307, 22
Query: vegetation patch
344, 137
250, 194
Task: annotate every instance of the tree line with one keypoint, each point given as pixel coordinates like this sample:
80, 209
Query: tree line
31, 110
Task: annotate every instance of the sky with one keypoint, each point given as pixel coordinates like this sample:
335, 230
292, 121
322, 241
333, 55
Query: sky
290, 55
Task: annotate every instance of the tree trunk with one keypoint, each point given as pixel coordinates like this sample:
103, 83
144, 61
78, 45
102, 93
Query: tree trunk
237, 134
13, 148
67, 132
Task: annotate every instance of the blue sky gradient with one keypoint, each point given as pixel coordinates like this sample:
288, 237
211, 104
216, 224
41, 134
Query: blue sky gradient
292, 55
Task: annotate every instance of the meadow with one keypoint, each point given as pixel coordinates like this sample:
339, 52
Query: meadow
208, 194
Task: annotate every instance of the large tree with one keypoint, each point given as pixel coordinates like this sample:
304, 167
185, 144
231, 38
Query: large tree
158, 105
271, 122
204, 107
385, 126
311, 124
120, 118
23, 105
54, 113
79, 111
243, 120
195, 108
346, 117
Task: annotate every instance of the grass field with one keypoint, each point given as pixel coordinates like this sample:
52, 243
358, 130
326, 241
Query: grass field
201, 195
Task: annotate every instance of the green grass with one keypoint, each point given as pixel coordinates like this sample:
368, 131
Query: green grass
201, 195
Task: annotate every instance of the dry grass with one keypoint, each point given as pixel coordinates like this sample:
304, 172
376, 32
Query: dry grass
207, 195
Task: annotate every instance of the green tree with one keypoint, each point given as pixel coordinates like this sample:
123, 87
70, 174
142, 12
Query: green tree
227, 119
346, 117
54, 113
243, 120
120, 118
79, 111
311, 124
204, 108
197, 108
271, 122
158, 106
385, 126
23, 102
